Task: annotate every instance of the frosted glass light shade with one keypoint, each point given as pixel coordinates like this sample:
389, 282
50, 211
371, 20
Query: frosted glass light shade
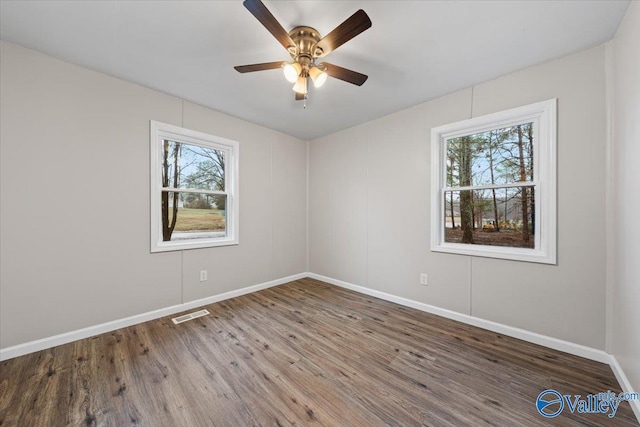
318, 76
301, 85
292, 71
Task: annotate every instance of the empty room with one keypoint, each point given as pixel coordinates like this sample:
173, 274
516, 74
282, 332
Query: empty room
319, 213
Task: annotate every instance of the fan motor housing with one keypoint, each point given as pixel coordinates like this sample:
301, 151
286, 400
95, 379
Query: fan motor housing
306, 39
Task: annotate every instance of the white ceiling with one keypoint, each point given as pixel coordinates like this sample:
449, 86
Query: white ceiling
414, 52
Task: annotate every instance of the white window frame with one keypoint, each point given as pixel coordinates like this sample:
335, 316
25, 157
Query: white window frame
543, 115
158, 133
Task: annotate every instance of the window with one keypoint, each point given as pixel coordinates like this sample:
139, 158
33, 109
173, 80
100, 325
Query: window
494, 185
194, 189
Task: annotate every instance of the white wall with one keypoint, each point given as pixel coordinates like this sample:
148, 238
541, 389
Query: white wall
626, 135
74, 216
369, 207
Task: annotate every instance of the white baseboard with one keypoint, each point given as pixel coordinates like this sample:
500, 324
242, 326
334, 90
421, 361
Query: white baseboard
67, 337
543, 340
625, 384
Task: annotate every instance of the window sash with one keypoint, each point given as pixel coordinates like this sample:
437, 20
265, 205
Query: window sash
159, 132
191, 190
494, 186
208, 146
532, 118
543, 115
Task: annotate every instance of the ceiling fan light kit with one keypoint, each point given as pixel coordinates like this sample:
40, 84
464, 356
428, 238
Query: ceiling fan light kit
301, 85
318, 76
292, 71
305, 45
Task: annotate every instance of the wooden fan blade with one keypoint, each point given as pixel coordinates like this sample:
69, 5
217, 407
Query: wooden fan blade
262, 14
354, 25
259, 67
344, 74
299, 96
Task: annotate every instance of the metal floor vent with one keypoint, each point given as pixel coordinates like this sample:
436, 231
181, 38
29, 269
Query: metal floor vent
190, 316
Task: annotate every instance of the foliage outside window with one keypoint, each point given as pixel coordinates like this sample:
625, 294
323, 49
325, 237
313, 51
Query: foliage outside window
494, 185
194, 189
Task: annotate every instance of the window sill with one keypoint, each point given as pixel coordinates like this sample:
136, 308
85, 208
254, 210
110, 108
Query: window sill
498, 252
200, 244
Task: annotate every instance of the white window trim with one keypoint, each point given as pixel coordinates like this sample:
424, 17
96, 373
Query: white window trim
160, 131
544, 116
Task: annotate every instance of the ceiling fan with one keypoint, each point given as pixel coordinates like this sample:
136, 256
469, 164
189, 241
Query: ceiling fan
305, 45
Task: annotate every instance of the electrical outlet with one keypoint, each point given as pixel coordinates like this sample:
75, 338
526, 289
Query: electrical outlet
203, 275
424, 280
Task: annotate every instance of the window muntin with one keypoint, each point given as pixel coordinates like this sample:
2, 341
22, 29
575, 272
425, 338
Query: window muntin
491, 194
193, 189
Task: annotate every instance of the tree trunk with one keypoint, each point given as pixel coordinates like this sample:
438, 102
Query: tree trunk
453, 219
176, 184
496, 220
506, 207
168, 224
493, 181
166, 234
532, 198
474, 212
466, 204
450, 169
524, 193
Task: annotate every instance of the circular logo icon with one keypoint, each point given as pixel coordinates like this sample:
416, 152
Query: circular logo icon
549, 403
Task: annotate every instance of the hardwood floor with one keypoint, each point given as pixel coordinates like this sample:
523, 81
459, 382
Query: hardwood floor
304, 353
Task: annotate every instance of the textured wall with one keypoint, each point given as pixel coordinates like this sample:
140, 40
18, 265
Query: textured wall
369, 207
626, 135
75, 201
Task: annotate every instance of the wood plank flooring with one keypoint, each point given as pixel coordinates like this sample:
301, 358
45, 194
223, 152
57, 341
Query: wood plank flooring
304, 353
